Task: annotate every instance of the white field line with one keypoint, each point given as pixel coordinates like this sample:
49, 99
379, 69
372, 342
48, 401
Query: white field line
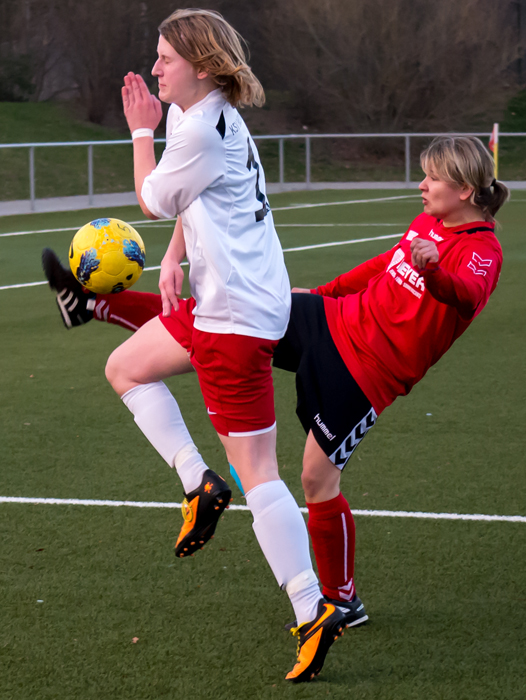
347, 201
148, 222
155, 224
337, 243
333, 225
40, 284
285, 250
156, 504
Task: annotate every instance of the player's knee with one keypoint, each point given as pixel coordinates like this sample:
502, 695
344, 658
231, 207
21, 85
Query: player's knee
113, 371
311, 482
320, 479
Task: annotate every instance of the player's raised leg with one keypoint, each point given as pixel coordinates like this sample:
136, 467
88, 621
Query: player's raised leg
77, 306
128, 309
74, 302
136, 370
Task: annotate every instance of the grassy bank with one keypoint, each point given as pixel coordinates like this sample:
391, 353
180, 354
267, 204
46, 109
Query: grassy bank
63, 171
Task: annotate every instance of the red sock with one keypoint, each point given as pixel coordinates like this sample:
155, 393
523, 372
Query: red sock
332, 531
128, 309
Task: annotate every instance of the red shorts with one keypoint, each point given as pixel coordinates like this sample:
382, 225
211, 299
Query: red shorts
234, 373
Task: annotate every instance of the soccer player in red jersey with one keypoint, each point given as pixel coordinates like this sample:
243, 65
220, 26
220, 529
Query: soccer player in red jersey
371, 334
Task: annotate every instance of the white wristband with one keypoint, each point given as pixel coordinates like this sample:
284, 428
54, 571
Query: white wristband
139, 133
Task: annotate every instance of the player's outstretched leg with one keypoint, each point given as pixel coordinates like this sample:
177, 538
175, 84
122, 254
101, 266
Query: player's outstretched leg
315, 638
201, 510
74, 303
333, 533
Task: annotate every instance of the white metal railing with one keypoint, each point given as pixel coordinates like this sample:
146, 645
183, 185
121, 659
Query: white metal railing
280, 138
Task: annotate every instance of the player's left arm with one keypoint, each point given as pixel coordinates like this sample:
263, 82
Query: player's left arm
469, 287
142, 111
172, 276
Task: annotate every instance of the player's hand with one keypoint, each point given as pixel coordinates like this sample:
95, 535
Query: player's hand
141, 108
300, 290
422, 253
170, 284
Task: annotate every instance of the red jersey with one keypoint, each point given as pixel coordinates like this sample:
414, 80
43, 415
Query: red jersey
391, 323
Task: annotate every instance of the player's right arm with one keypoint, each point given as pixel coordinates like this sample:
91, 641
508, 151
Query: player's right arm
468, 288
142, 111
172, 275
356, 279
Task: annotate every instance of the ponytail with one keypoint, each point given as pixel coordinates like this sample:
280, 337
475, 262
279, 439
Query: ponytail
490, 199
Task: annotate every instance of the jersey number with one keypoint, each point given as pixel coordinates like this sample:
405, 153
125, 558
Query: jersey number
260, 196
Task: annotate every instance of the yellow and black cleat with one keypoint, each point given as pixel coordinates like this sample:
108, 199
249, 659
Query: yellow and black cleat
201, 510
315, 638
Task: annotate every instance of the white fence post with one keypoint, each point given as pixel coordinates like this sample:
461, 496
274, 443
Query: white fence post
281, 162
407, 161
32, 176
307, 160
90, 174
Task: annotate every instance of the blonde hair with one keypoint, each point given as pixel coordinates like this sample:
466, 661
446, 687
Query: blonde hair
210, 44
464, 160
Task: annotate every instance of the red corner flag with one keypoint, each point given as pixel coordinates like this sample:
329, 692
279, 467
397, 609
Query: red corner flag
494, 147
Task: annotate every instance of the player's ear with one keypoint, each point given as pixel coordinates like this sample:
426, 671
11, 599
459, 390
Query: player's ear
202, 75
466, 192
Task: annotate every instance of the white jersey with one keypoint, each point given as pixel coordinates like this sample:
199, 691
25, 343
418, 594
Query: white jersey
211, 176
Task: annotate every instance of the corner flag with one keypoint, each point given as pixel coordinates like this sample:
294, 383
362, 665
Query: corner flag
494, 147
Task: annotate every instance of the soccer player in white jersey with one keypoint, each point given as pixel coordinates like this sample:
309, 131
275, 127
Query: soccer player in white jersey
210, 177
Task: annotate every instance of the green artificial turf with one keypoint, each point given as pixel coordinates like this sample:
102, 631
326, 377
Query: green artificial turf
445, 598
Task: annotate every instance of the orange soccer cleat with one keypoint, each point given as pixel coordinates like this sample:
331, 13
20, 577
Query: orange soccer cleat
201, 510
314, 641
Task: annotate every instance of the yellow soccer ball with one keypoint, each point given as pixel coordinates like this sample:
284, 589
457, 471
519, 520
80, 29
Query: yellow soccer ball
107, 256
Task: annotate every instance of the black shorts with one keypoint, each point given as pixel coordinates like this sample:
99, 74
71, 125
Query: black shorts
330, 402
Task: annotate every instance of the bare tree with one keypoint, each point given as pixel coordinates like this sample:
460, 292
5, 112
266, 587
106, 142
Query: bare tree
392, 64
104, 39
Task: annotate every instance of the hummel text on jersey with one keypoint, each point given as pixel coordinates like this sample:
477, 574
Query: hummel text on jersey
323, 427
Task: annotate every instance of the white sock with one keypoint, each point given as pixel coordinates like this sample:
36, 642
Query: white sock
158, 416
282, 535
304, 594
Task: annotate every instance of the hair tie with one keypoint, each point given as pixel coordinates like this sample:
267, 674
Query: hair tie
493, 183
